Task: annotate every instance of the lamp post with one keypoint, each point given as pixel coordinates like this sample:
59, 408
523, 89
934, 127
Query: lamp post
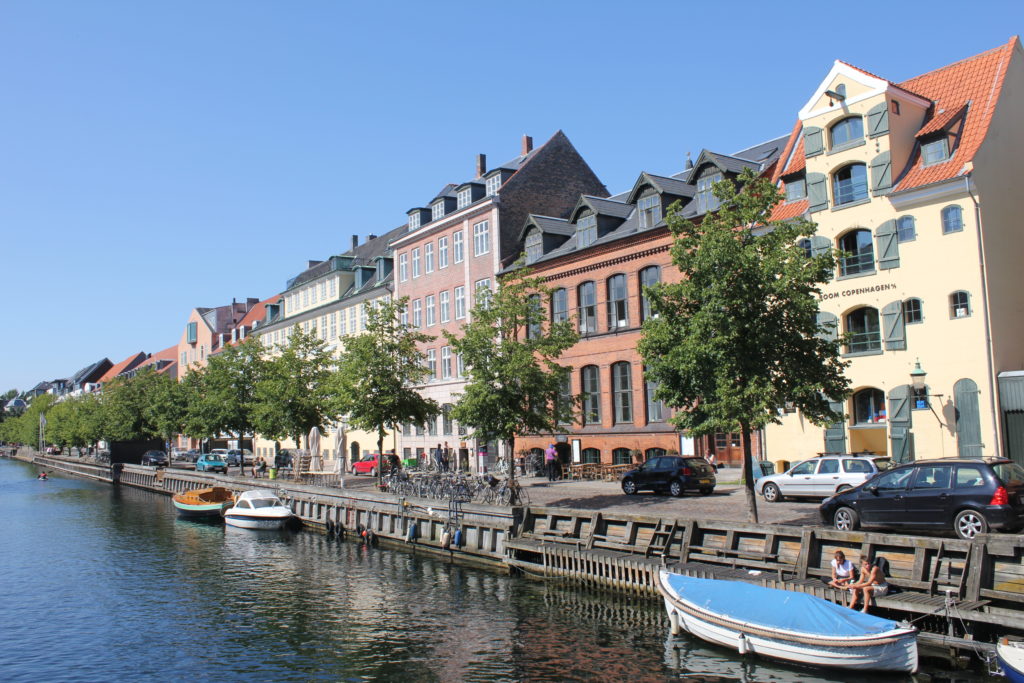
917, 377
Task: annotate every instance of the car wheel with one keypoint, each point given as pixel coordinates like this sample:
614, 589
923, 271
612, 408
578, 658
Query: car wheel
675, 487
373, 472
628, 487
771, 493
969, 523
706, 491
846, 519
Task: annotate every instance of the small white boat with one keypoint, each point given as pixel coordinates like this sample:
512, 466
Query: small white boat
786, 625
258, 509
1011, 659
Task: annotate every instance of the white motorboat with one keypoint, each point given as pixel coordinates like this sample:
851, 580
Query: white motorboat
258, 509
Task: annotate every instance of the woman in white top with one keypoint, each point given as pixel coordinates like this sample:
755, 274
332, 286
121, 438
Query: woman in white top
842, 571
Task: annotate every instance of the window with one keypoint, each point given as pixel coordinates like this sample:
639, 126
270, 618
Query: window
442, 252
805, 245
460, 303
305, 297
446, 364
894, 481
959, 304
586, 230
432, 364
860, 253
428, 257
431, 310
586, 295
592, 456
416, 262
446, 419
481, 238
352, 319
650, 210
859, 466
417, 313
649, 277
414, 221
460, 371
591, 385
952, 219
445, 306
935, 151
403, 316
706, 199
622, 390
830, 466
905, 230
869, 407
654, 453
457, 248
618, 312
895, 107
534, 245
565, 400
362, 315
536, 311
850, 184
559, 305
432, 427
796, 189
482, 292
437, 211
933, 477
912, 312
847, 131
655, 408
969, 476
919, 398
493, 183
464, 198
865, 334
805, 468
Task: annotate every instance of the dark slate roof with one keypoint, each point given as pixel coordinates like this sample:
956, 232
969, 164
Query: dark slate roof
549, 225
766, 152
371, 249
663, 184
607, 207
88, 371
446, 191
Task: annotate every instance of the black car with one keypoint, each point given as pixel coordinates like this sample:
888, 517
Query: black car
155, 458
675, 474
969, 496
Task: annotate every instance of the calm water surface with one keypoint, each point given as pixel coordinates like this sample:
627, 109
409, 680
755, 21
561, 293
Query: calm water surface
102, 584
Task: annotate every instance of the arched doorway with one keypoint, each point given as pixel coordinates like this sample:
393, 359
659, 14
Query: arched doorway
354, 450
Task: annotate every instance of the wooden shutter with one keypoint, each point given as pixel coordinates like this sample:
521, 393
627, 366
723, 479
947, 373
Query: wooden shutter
817, 196
881, 174
820, 245
828, 326
893, 329
878, 120
835, 434
888, 245
813, 142
968, 419
899, 406
901, 445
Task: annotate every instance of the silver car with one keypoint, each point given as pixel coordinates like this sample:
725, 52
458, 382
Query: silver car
820, 477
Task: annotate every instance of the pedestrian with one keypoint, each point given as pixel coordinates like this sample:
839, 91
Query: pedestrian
550, 459
438, 462
445, 455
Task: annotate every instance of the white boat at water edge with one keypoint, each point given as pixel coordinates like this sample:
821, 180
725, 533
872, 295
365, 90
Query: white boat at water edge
258, 509
786, 625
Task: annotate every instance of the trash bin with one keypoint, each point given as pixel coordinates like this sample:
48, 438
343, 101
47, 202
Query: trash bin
273, 473
781, 466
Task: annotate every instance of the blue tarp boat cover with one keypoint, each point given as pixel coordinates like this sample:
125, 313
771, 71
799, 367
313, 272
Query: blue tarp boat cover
777, 609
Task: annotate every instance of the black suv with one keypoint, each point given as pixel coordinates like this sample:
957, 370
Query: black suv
970, 496
675, 474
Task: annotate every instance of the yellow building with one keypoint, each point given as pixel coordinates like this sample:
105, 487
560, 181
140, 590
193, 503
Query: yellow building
915, 184
331, 299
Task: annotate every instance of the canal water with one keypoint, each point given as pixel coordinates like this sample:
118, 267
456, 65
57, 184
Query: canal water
99, 584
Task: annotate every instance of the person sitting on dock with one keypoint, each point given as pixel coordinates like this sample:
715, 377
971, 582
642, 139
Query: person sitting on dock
872, 583
842, 571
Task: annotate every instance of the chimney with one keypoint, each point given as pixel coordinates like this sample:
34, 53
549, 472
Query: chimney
371, 237
527, 145
481, 165
689, 162
355, 241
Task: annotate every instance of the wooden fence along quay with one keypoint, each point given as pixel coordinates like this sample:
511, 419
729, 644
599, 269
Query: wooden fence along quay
961, 594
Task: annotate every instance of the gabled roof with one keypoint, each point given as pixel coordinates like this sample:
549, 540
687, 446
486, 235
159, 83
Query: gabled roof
91, 373
725, 163
662, 184
549, 225
127, 364
601, 207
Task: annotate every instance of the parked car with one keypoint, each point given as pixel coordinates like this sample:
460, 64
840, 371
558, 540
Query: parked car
969, 496
211, 462
154, 458
820, 477
370, 464
675, 474
245, 453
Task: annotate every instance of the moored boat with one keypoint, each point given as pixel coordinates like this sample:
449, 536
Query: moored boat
786, 625
205, 503
1011, 659
258, 509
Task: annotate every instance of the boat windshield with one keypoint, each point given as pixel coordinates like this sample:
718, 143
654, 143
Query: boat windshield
265, 503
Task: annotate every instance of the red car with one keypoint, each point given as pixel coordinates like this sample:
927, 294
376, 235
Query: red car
370, 464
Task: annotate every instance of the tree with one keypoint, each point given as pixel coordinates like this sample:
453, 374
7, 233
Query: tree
76, 421
123, 403
164, 405
738, 337
377, 373
515, 384
295, 392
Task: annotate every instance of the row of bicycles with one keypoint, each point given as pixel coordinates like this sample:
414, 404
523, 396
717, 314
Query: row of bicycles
485, 489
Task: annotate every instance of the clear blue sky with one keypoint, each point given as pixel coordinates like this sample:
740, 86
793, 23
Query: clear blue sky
158, 156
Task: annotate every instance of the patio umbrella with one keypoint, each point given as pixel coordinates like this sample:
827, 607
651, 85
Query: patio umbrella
315, 463
340, 446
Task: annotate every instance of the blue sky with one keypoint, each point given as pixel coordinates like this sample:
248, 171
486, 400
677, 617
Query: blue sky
158, 156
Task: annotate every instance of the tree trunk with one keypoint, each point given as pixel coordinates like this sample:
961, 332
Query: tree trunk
380, 456
748, 475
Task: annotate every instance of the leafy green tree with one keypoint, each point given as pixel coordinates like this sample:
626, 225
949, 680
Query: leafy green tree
164, 407
295, 392
123, 403
515, 384
75, 421
737, 338
377, 373
26, 426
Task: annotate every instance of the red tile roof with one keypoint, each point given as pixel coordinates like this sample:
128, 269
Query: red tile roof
170, 353
127, 364
786, 210
257, 313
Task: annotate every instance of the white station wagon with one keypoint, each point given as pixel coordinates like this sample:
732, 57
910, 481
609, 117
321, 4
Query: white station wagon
821, 477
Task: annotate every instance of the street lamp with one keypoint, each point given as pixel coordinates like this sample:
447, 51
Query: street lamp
917, 376
921, 394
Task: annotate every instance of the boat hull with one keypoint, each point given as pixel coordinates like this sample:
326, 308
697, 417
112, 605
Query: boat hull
208, 511
1011, 661
253, 522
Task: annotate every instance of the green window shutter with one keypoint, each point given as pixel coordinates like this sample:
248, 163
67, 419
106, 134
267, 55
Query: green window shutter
817, 196
813, 143
881, 174
828, 326
888, 243
835, 434
968, 419
893, 327
878, 120
820, 245
899, 406
901, 442
192, 334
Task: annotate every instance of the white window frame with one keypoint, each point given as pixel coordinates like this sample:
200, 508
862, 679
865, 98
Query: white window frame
416, 262
432, 363
431, 310
460, 302
481, 238
444, 299
484, 283
458, 246
437, 211
417, 313
446, 362
414, 221
442, 252
465, 198
493, 184
403, 267
428, 257
363, 308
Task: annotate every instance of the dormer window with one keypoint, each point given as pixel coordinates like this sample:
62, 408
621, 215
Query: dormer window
464, 198
586, 230
534, 245
437, 211
796, 189
935, 151
847, 132
650, 210
493, 183
706, 200
414, 221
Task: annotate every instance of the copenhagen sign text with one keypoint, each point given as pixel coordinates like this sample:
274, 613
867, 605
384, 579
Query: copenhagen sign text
860, 290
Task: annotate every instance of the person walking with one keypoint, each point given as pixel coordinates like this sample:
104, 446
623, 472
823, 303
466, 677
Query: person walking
550, 460
438, 458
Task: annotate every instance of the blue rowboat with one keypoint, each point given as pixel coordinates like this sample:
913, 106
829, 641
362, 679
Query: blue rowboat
1011, 659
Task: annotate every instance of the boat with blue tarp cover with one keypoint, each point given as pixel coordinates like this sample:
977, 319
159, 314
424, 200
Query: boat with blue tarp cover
786, 625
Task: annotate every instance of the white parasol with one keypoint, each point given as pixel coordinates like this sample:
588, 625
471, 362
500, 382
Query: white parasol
340, 446
315, 463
